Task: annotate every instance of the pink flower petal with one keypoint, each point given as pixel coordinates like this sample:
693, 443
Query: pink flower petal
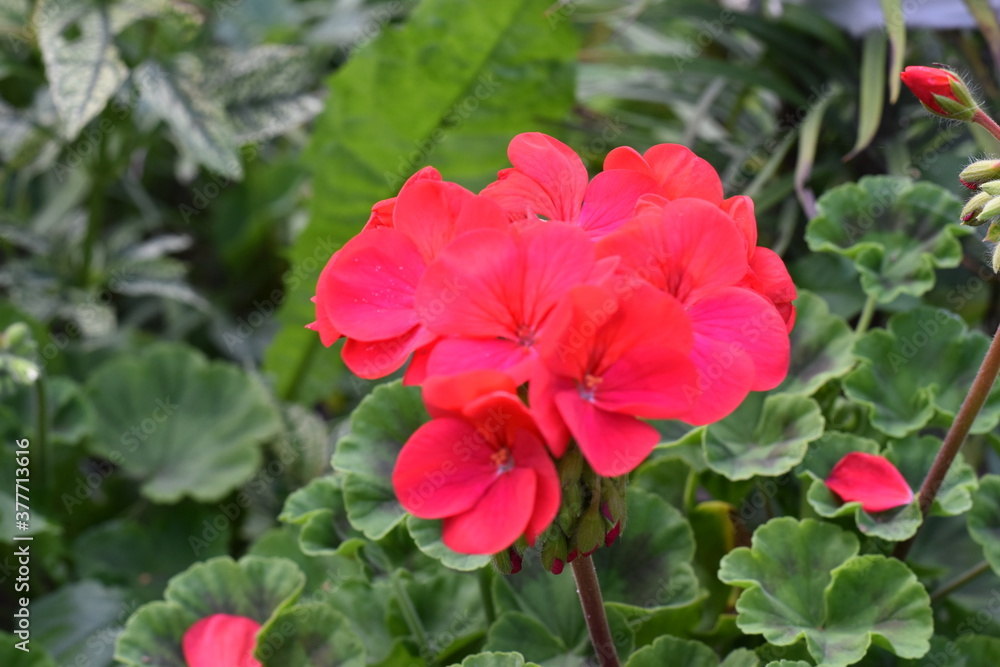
548, 179
614, 444
443, 469
871, 480
610, 200
681, 173
497, 519
376, 359
221, 640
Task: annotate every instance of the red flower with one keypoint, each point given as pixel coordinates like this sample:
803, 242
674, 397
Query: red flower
940, 91
480, 464
614, 360
366, 292
490, 293
694, 251
221, 640
679, 173
549, 180
871, 480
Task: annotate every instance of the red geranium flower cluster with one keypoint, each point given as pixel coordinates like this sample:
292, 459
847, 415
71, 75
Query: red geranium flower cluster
639, 294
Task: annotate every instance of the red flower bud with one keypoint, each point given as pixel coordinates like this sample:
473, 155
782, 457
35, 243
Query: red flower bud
941, 92
557, 566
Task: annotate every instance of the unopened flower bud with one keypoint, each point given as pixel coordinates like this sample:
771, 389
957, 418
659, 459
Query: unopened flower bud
980, 172
991, 188
972, 209
612, 534
991, 210
941, 92
996, 261
502, 562
590, 532
993, 233
554, 553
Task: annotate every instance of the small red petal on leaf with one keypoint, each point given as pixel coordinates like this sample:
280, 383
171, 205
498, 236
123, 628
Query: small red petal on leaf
221, 640
871, 480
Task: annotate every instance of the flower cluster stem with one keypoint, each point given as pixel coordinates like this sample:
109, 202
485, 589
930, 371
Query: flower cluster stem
971, 406
589, 590
988, 123
960, 580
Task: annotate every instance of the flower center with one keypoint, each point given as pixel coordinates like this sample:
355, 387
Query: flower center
503, 460
525, 336
588, 386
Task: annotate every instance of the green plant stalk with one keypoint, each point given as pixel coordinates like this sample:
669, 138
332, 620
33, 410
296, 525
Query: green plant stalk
960, 580
486, 593
956, 435
409, 612
95, 214
41, 445
866, 316
589, 590
984, 121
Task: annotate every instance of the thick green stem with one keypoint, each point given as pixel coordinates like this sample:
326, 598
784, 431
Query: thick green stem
866, 316
960, 580
589, 590
971, 406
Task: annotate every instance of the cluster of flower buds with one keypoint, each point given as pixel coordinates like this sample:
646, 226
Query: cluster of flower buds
592, 516
983, 177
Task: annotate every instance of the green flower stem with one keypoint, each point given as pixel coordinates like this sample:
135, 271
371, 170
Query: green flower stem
486, 593
960, 580
409, 612
971, 406
984, 121
589, 590
95, 214
866, 316
39, 446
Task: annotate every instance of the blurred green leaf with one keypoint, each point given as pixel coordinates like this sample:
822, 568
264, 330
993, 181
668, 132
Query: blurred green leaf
984, 518
896, 232
895, 25
182, 425
312, 633
319, 509
79, 623
821, 347
81, 60
469, 84
872, 90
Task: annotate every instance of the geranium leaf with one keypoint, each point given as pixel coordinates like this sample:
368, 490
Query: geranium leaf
922, 363
181, 425
821, 347
767, 435
319, 509
427, 534
914, 455
984, 519
312, 633
896, 232
804, 579
674, 651
495, 659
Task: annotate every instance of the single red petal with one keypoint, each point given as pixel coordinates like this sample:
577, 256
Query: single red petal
768, 276
453, 356
382, 212
626, 157
433, 213
497, 519
328, 334
613, 444
725, 375
610, 200
377, 358
871, 480
416, 372
681, 173
443, 469
652, 382
548, 179
221, 640
740, 209
369, 290
749, 326
450, 395
542, 390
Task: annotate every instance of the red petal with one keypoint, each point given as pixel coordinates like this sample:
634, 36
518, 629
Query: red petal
529, 451
740, 209
610, 200
369, 290
450, 395
871, 480
378, 358
497, 519
453, 356
443, 469
681, 173
612, 443
548, 179
221, 640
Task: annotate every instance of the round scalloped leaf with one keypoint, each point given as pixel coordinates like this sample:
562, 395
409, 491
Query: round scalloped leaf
924, 361
741, 657
380, 425
789, 663
319, 509
804, 579
767, 435
255, 587
913, 457
821, 346
968, 650
826, 452
896, 232
427, 534
517, 629
313, 633
984, 519
182, 425
674, 651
